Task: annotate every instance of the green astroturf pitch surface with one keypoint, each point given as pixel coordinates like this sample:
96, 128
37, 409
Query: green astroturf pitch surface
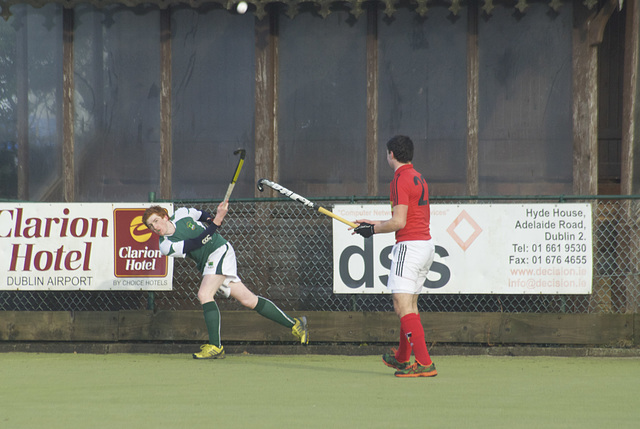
124, 391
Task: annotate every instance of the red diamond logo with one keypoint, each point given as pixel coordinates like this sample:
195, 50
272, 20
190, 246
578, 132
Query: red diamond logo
462, 224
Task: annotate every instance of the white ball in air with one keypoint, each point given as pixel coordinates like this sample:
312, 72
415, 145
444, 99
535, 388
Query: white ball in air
242, 7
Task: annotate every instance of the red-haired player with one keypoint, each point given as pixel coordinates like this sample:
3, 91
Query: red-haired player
193, 233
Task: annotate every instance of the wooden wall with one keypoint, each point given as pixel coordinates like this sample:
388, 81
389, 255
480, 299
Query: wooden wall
616, 330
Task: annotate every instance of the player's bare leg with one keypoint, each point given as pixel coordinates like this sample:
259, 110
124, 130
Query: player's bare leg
243, 295
405, 303
209, 286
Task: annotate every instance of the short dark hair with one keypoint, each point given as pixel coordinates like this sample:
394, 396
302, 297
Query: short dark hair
402, 148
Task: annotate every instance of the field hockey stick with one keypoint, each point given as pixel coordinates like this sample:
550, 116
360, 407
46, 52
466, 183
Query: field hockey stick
242, 153
295, 197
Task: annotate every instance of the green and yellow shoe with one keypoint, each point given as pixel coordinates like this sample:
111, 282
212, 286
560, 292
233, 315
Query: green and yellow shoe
417, 370
300, 330
209, 351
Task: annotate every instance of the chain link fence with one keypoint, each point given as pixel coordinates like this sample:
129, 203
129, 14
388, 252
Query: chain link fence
284, 253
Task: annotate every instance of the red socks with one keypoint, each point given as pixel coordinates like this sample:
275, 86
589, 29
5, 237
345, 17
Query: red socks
412, 337
403, 354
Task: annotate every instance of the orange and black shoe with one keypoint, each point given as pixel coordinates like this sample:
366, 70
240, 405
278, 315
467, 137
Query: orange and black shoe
390, 360
417, 370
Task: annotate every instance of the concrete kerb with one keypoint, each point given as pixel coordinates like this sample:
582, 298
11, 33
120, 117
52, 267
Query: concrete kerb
318, 349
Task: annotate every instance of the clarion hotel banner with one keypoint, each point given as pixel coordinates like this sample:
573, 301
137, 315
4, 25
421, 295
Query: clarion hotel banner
80, 246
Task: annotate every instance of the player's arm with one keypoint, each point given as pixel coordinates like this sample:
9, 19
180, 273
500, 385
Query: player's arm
192, 244
181, 248
205, 217
398, 220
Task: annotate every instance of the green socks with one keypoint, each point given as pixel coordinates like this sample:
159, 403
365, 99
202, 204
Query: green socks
268, 309
265, 308
212, 320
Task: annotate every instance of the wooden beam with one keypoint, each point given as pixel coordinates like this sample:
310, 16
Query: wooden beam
585, 104
68, 111
58, 326
636, 319
630, 169
166, 141
588, 31
630, 155
473, 84
22, 105
333, 327
599, 22
266, 108
372, 99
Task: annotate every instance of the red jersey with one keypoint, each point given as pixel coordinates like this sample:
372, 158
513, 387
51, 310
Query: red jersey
409, 188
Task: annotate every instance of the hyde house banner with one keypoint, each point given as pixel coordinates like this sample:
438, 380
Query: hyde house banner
80, 246
480, 249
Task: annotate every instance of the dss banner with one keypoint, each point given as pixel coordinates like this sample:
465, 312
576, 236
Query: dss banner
80, 246
480, 249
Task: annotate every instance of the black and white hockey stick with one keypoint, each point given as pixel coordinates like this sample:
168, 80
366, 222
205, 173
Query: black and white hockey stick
295, 197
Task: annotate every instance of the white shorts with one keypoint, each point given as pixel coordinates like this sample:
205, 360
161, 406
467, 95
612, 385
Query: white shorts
410, 265
223, 262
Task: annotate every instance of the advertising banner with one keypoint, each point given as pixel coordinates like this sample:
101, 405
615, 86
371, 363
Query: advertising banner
80, 246
480, 249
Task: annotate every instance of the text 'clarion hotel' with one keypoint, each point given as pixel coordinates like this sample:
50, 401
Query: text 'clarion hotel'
27, 256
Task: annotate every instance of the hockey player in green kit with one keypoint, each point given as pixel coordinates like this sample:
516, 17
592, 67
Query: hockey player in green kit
193, 233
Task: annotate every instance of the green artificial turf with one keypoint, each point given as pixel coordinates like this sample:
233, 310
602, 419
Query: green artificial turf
314, 391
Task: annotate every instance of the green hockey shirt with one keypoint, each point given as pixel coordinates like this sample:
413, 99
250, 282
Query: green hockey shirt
188, 226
